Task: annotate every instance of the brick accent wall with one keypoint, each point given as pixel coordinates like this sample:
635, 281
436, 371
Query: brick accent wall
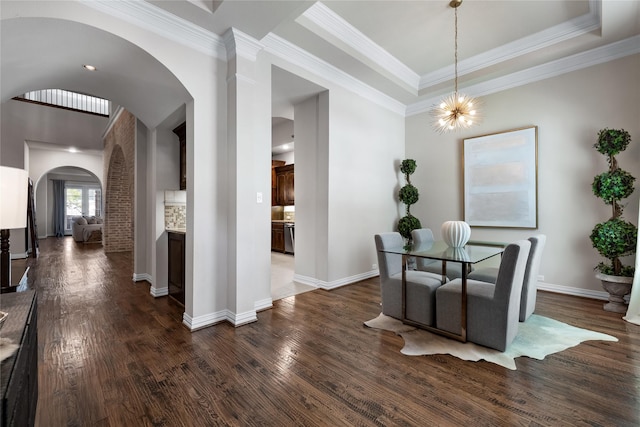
119, 166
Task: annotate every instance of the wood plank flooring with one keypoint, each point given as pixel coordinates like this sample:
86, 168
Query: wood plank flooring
112, 355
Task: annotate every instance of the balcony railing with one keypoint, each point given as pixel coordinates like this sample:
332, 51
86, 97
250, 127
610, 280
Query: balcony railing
68, 100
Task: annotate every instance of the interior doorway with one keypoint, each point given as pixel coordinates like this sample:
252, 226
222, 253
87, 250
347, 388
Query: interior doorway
288, 91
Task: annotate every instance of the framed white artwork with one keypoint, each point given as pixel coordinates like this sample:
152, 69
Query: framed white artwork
501, 179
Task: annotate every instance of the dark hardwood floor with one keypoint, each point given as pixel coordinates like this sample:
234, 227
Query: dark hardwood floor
112, 355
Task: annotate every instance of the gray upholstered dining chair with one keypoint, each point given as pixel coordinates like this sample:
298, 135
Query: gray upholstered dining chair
421, 236
492, 309
421, 286
530, 285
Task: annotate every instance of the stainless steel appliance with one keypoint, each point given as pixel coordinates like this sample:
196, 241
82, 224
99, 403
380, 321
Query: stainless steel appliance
289, 237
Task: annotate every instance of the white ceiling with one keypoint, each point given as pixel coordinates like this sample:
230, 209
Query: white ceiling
402, 51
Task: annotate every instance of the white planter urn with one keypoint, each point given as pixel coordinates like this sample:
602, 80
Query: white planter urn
456, 233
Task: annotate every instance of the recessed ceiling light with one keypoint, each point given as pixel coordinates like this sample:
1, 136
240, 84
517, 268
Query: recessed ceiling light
285, 146
72, 150
89, 67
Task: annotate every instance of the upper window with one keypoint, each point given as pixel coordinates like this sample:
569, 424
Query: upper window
68, 100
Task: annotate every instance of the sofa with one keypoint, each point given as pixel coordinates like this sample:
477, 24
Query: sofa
87, 229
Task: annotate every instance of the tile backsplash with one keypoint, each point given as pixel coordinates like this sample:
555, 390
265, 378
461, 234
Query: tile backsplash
175, 216
289, 213
277, 212
175, 209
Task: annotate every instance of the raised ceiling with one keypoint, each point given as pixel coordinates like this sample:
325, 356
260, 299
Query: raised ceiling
397, 52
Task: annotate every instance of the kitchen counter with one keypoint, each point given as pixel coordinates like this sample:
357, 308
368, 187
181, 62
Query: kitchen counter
176, 230
284, 221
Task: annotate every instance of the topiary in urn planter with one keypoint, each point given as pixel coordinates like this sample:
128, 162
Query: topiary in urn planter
614, 238
409, 196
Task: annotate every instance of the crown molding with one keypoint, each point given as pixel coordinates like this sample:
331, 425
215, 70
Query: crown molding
145, 15
376, 57
240, 44
599, 55
567, 30
373, 54
295, 55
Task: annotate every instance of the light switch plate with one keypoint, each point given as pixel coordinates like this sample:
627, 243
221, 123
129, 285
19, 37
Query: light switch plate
259, 197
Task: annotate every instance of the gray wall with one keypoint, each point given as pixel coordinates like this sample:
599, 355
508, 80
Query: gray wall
569, 110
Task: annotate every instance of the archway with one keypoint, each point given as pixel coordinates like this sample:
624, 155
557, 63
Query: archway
130, 73
80, 178
118, 226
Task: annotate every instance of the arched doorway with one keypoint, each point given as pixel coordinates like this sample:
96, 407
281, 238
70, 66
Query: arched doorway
129, 74
81, 194
118, 228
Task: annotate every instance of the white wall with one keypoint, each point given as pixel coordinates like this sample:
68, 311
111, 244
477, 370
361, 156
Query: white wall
311, 189
282, 133
165, 160
23, 121
347, 151
141, 266
569, 110
288, 157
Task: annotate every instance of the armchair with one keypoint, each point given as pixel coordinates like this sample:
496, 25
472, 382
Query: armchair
421, 285
530, 285
492, 309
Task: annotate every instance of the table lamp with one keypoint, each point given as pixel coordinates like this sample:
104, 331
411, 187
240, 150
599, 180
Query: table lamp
13, 214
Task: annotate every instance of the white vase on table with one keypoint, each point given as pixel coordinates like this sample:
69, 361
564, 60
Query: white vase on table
456, 233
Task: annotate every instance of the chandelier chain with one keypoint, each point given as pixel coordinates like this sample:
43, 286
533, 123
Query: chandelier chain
456, 51
456, 111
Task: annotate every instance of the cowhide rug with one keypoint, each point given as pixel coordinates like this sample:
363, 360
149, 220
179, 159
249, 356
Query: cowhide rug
537, 337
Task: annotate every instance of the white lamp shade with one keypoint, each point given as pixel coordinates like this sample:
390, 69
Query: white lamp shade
13, 198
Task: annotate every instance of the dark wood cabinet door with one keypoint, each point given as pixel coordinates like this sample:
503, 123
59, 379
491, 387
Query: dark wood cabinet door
285, 194
176, 266
281, 190
277, 236
274, 182
289, 188
181, 131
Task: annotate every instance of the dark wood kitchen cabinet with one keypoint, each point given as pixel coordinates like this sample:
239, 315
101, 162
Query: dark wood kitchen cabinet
285, 194
277, 236
19, 372
176, 265
274, 182
181, 131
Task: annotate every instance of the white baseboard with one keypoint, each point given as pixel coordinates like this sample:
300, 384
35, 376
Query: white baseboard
305, 280
195, 323
158, 292
138, 277
19, 255
244, 318
568, 290
549, 287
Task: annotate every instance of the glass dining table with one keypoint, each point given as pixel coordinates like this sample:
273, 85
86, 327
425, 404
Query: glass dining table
472, 253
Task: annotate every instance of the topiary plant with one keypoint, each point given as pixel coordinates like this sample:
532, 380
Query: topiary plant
409, 196
615, 237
